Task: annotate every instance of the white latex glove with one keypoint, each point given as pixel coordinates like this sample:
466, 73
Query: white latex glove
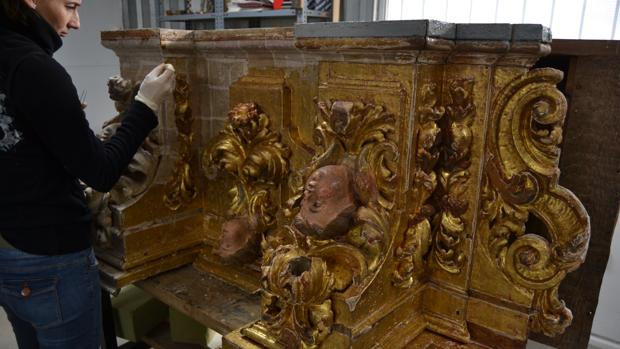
155, 86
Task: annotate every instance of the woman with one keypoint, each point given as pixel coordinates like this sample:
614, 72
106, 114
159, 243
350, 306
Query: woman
48, 273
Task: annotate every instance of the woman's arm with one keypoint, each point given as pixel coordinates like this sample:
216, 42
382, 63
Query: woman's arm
43, 93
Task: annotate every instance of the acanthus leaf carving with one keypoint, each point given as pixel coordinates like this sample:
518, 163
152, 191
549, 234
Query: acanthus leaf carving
249, 151
417, 238
358, 133
298, 281
252, 153
341, 205
454, 176
180, 189
363, 134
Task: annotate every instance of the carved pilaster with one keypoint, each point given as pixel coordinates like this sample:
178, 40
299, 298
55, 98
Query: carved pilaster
454, 176
180, 189
418, 237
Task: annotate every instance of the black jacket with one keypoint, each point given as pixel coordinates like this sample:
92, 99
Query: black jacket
46, 145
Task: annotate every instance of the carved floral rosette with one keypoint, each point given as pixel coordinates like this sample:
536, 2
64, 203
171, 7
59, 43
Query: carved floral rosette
522, 180
300, 273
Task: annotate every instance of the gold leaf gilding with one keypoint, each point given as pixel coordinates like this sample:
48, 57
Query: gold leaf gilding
454, 176
180, 189
522, 179
252, 153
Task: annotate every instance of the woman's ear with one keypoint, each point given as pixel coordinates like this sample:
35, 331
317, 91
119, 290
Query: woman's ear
31, 3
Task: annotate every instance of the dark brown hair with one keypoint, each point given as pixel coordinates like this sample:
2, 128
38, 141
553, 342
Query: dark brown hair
15, 12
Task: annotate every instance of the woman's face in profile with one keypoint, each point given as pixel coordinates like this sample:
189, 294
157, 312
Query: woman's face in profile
62, 15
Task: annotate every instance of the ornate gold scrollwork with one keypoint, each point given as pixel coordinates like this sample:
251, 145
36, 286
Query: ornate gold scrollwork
362, 135
522, 179
325, 252
418, 239
355, 132
298, 282
454, 176
252, 153
180, 190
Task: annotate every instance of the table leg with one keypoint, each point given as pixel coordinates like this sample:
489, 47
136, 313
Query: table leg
109, 332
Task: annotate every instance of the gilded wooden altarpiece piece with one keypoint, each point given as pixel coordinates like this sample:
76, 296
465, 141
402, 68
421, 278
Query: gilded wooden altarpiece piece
376, 190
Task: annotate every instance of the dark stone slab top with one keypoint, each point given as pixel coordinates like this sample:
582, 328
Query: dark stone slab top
531, 32
381, 29
484, 31
426, 29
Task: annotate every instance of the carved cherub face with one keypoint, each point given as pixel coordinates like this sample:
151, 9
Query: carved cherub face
328, 204
238, 240
121, 91
323, 185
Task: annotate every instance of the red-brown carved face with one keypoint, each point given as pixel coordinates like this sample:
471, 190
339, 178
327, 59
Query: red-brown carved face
238, 240
328, 204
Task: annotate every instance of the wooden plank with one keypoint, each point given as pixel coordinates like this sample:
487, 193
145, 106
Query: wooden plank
590, 165
112, 279
240, 276
206, 299
585, 47
429, 339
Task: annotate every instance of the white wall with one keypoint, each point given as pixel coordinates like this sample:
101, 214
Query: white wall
568, 19
90, 64
606, 326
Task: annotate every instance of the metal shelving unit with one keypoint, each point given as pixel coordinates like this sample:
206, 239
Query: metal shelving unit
301, 15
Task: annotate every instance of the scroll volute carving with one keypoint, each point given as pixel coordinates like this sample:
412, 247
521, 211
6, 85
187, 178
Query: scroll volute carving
249, 151
340, 227
140, 172
522, 180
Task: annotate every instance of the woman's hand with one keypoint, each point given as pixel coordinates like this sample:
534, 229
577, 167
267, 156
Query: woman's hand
155, 86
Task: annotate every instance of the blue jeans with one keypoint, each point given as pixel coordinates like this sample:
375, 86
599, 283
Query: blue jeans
52, 301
